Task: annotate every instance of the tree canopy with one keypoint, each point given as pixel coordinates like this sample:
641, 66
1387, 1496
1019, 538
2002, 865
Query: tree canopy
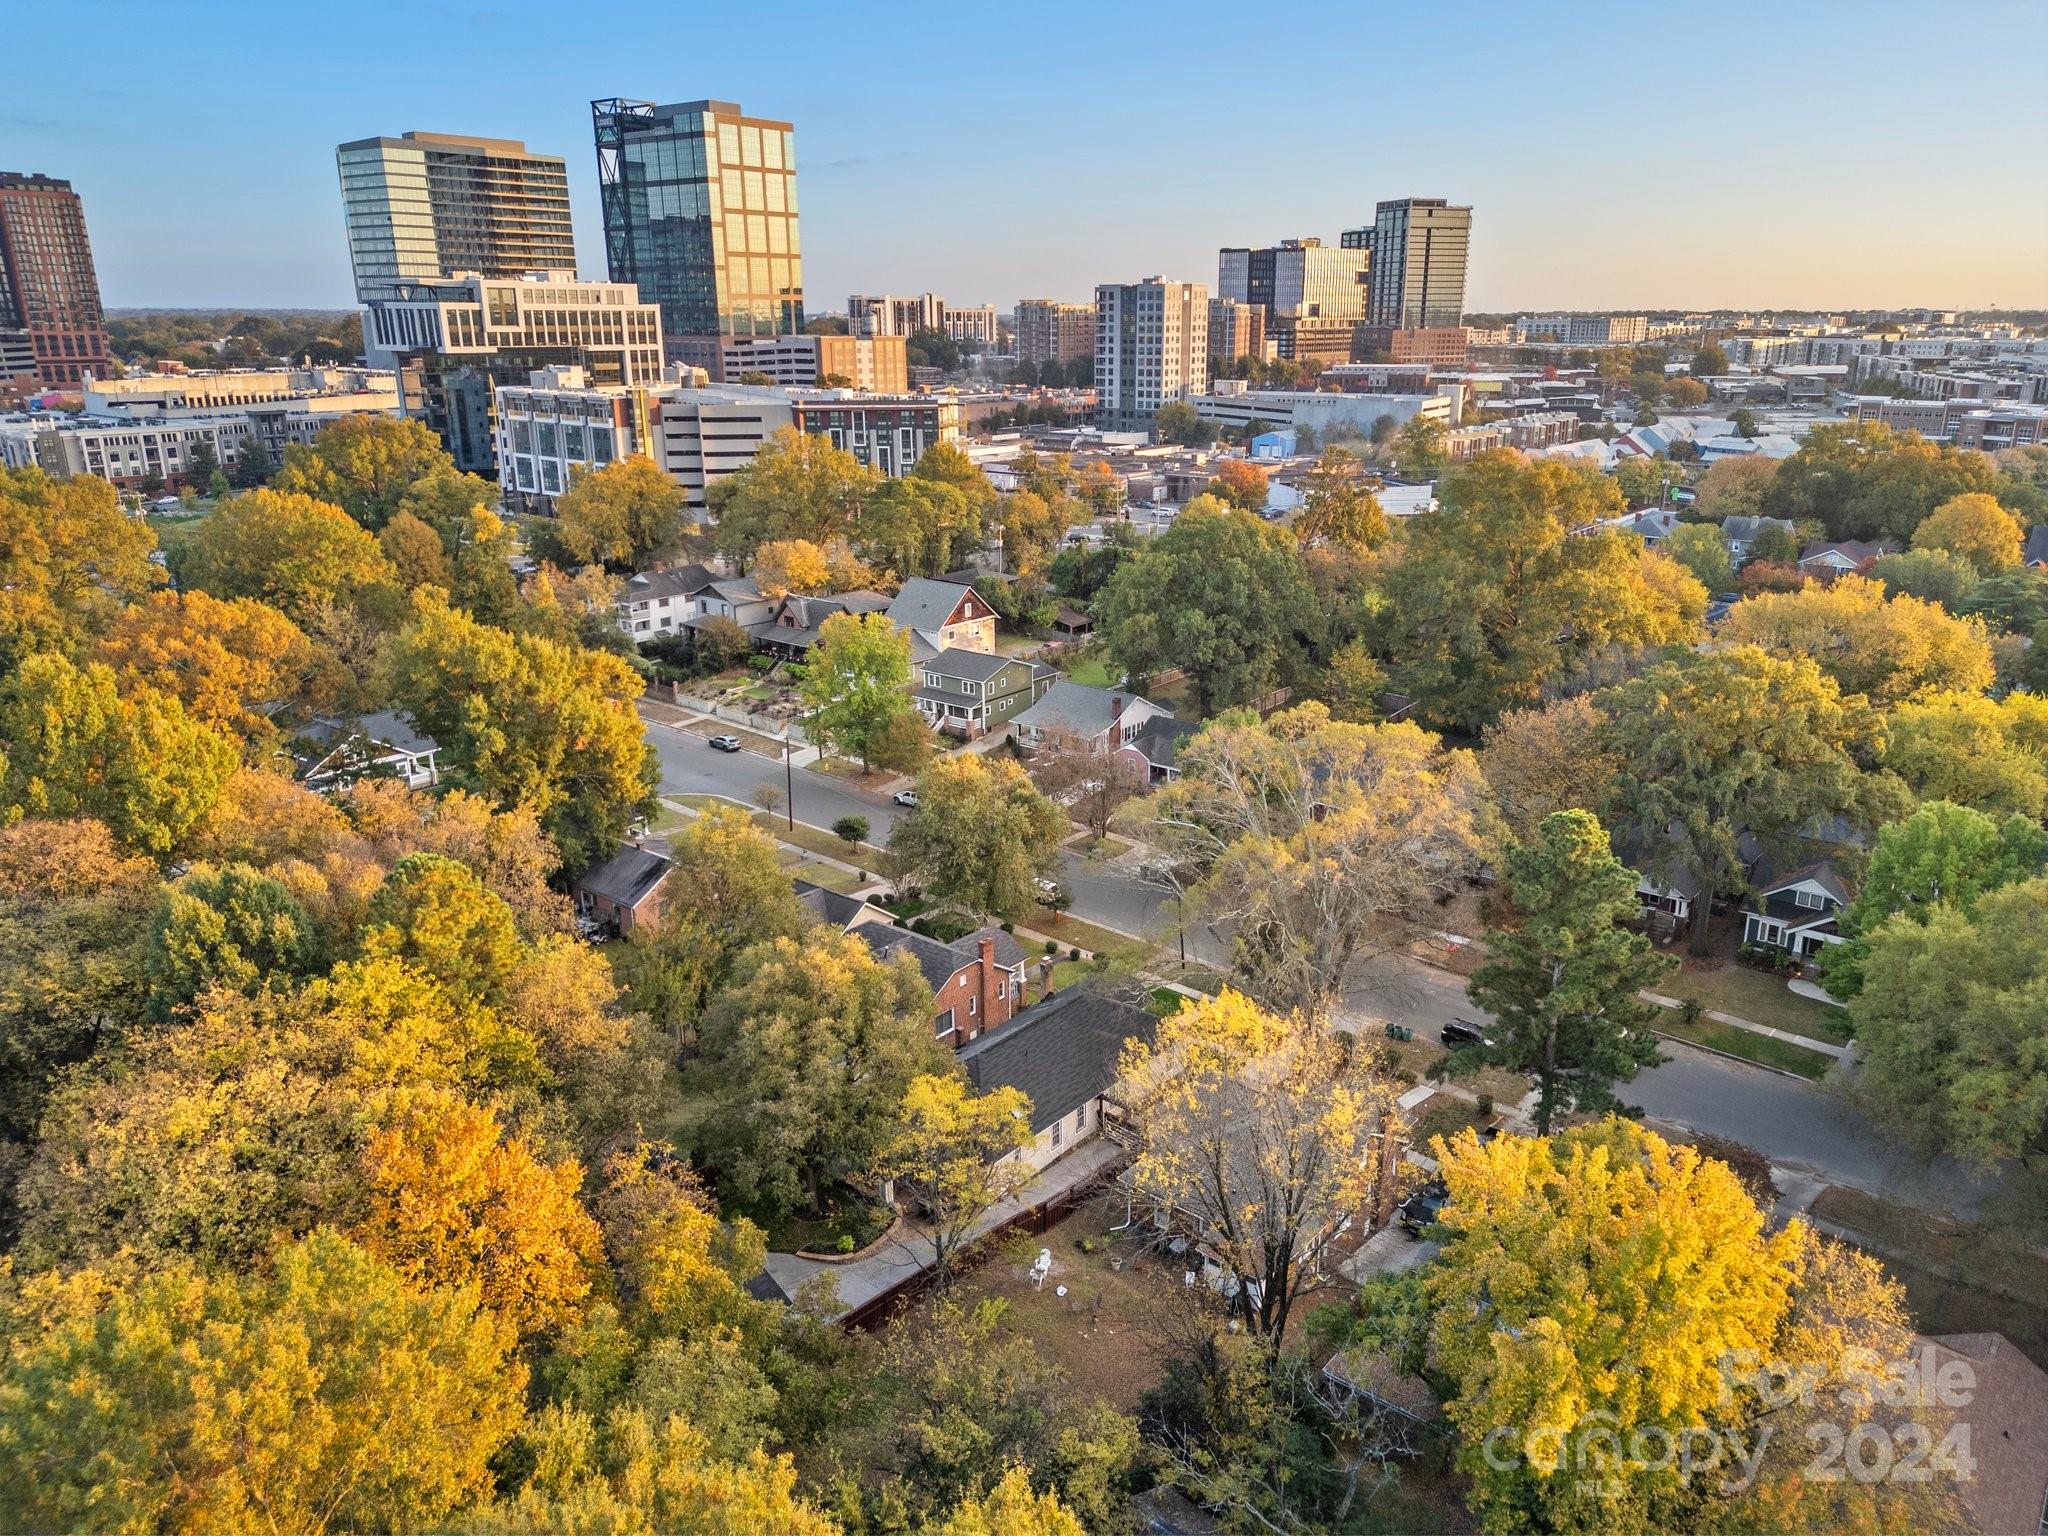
980, 836
364, 464
1887, 649
621, 515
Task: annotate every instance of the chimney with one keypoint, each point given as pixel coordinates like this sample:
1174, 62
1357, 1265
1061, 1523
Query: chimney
994, 1010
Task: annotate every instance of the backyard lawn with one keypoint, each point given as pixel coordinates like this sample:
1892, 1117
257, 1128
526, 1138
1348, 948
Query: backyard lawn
1092, 671
1758, 997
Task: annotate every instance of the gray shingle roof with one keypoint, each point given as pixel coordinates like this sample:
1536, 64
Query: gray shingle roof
1061, 1053
1160, 739
925, 603
679, 581
975, 666
829, 906
2036, 552
937, 961
626, 877
1077, 707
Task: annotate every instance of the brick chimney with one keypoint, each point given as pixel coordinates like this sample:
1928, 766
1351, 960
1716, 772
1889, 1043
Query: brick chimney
994, 1010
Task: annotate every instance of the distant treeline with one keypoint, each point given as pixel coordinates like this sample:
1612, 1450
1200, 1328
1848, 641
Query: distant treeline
235, 337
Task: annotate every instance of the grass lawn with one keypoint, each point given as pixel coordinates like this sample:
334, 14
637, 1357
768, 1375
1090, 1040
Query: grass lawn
1092, 671
1443, 1114
1072, 932
1750, 1047
1101, 847
1165, 1002
818, 840
1071, 973
667, 821
1759, 998
830, 876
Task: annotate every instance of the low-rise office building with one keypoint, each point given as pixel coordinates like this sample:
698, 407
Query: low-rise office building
457, 340
1317, 410
557, 425
1583, 330
878, 364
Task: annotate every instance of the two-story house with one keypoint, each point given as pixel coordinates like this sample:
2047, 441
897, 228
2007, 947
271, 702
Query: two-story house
977, 982
1798, 912
659, 601
943, 615
971, 693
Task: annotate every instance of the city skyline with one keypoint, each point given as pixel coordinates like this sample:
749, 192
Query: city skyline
1006, 164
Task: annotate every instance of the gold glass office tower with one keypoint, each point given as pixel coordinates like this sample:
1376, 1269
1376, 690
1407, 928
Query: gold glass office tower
700, 210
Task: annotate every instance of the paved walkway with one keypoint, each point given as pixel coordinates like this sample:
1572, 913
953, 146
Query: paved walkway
1824, 1047
900, 1261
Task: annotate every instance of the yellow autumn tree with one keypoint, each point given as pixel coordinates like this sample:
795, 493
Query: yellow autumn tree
1009, 1509
791, 565
240, 664
1885, 648
1262, 1134
951, 1154
1973, 527
452, 1200
315, 1394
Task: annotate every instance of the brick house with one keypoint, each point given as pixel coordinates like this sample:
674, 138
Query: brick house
625, 890
977, 982
971, 693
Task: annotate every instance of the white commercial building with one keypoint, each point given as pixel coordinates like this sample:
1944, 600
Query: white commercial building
1320, 411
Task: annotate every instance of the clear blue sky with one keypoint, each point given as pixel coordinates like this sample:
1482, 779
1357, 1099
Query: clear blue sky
1802, 152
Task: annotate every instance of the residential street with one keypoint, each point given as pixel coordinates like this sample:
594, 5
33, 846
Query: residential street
1797, 1125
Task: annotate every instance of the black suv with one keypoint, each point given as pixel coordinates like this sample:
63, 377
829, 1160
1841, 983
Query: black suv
1461, 1032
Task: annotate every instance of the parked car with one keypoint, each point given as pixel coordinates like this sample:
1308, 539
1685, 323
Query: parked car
1051, 892
1421, 1209
906, 797
726, 743
1461, 1032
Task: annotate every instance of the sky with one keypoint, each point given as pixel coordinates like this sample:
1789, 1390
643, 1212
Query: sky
1797, 154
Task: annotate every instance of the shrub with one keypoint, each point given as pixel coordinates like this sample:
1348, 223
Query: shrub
1051, 948
1074, 953
846, 1242
760, 664
851, 830
1485, 1105
1690, 1010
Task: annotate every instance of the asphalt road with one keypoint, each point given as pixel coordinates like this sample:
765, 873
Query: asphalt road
1797, 1125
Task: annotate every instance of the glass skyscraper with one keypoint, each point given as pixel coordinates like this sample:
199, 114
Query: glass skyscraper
700, 210
430, 205
1419, 247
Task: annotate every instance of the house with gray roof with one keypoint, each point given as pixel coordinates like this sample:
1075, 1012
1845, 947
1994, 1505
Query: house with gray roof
942, 615
1062, 1054
334, 751
660, 601
1738, 533
977, 981
1153, 755
798, 618
1101, 718
625, 890
2035, 556
970, 693
1798, 911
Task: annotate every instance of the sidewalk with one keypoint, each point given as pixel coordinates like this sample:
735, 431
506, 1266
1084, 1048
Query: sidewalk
1821, 1047
861, 1282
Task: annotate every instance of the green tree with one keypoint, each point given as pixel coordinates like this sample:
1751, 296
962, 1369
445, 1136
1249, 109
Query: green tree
1498, 593
856, 681
284, 548
927, 348
1647, 482
1562, 984
949, 464
1861, 480
918, 526
1941, 855
1353, 683
1177, 422
1742, 422
1221, 595
315, 1393
1710, 360
529, 722
980, 836
622, 514
806, 1055
364, 465
1336, 507
798, 486
1932, 575
1948, 1024
851, 830
1419, 446
1700, 548
1712, 746
75, 746
69, 558
1773, 545
737, 895
231, 927
434, 914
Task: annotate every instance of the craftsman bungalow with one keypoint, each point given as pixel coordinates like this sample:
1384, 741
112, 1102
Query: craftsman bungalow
1063, 1055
